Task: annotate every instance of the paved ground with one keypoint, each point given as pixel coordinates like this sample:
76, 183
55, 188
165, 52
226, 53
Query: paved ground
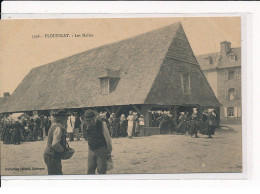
153, 154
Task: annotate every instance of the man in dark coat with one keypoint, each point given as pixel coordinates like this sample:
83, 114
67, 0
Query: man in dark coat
114, 125
99, 142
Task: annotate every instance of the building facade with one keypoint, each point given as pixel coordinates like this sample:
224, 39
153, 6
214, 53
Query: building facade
223, 72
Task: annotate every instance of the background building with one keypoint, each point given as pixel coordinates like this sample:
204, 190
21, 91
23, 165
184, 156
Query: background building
223, 72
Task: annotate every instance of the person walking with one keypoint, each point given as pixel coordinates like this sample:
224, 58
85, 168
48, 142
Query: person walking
99, 142
56, 143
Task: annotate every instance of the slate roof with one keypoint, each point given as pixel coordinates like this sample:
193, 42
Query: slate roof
219, 61
73, 82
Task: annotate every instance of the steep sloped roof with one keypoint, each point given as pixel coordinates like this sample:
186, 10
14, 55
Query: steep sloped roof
2, 101
73, 82
219, 61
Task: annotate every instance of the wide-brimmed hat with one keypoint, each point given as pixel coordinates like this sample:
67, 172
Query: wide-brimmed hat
60, 113
89, 114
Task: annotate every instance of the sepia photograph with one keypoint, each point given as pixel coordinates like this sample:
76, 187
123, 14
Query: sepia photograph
121, 96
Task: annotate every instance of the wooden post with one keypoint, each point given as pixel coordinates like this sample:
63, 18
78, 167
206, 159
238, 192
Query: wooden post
175, 113
146, 111
199, 112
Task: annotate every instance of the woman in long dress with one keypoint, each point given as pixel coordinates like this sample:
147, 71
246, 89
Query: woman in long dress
130, 127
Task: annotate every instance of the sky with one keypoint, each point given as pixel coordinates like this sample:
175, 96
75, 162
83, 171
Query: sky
19, 52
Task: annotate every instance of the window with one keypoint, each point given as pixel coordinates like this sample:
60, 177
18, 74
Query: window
104, 84
185, 82
237, 73
237, 94
232, 58
231, 94
113, 84
231, 75
230, 112
109, 80
225, 75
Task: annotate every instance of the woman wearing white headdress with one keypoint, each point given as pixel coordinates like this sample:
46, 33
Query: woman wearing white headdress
70, 127
130, 127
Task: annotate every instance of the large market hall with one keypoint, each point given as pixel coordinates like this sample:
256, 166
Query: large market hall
154, 71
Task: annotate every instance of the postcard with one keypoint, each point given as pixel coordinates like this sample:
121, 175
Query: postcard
121, 96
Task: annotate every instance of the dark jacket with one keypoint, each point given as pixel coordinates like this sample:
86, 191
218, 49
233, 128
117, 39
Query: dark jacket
94, 135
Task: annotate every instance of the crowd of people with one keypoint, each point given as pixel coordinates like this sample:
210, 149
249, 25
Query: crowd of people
35, 128
18, 130
186, 122
123, 126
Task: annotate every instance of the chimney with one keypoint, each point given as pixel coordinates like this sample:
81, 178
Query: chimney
6, 94
225, 48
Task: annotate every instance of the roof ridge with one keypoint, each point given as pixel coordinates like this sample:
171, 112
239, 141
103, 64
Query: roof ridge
216, 52
109, 44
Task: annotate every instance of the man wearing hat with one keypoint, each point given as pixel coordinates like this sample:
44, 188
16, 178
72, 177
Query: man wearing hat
56, 143
99, 142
